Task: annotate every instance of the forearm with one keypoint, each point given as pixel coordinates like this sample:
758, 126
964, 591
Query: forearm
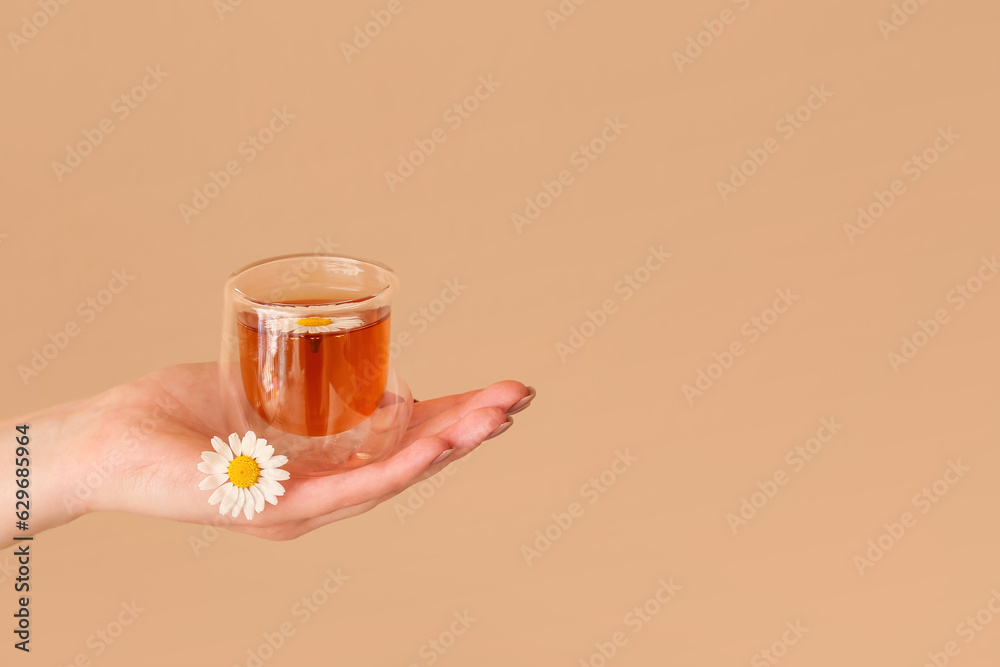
38, 468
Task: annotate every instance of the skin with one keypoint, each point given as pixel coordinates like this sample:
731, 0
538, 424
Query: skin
159, 476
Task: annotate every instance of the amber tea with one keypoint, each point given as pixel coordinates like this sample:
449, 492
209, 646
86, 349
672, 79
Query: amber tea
314, 376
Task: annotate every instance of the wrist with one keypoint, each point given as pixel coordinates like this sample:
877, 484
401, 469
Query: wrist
56, 456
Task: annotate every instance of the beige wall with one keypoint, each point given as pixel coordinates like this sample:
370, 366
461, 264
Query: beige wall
547, 87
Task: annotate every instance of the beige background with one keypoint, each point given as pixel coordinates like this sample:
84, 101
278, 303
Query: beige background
323, 180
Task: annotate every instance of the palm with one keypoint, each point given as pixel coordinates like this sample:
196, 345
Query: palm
179, 409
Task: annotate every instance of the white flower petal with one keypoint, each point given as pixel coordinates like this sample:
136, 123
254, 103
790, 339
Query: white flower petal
267, 491
235, 444
229, 499
277, 474
222, 448
263, 453
248, 504
340, 323
268, 496
258, 499
270, 489
241, 497
249, 444
216, 497
212, 482
212, 469
274, 462
214, 458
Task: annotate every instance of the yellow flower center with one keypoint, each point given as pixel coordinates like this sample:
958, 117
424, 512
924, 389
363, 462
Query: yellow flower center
314, 321
244, 472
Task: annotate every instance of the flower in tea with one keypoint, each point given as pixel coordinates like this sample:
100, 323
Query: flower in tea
244, 473
314, 324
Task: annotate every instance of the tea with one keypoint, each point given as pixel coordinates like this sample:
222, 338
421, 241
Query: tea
303, 378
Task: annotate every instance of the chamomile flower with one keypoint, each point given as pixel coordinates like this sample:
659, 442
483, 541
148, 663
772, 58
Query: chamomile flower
244, 473
314, 324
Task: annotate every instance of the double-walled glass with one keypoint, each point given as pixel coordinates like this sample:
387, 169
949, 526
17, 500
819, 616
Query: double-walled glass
305, 359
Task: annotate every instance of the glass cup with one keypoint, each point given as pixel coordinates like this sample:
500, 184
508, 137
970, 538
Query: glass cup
305, 360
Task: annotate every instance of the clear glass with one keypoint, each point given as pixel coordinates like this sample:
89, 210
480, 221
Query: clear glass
305, 360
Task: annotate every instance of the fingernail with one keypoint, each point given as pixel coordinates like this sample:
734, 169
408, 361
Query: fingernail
500, 429
523, 403
443, 455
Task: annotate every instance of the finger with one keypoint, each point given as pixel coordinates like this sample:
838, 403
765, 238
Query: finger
314, 502
461, 438
437, 414
311, 524
429, 408
289, 530
469, 432
322, 495
424, 410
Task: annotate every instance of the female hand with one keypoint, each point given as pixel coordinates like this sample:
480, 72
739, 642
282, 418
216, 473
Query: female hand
136, 447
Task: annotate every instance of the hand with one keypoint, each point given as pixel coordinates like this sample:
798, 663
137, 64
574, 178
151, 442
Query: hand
170, 416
